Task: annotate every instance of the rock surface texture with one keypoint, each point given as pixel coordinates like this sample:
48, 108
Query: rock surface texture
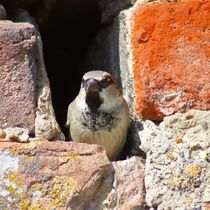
49, 175
171, 57
24, 89
17, 75
44, 175
128, 190
177, 171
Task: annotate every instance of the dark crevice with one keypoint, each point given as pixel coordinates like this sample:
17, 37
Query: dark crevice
67, 34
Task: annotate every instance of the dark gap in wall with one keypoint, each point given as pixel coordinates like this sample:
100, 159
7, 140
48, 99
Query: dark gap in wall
66, 35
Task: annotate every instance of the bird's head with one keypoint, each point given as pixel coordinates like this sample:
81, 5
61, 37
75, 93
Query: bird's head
99, 88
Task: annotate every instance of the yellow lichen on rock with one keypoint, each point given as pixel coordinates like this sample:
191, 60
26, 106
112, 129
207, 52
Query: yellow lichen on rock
25, 204
179, 140
193, 170
14, 178
179, 180
62, 189
171, 156
74, 156
188, 202
30, 145
175, 181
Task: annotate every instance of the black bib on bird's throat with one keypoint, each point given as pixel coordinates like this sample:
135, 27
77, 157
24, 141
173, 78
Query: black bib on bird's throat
93, 100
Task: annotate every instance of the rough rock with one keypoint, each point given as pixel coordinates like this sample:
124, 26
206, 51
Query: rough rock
17, 75
3, 13
25, 90
46, 125
63, 175
171, 59
128, 191
177, 165
46, 175
17, 134
122, 188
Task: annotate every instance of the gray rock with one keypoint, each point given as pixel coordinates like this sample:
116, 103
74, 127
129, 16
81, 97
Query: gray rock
3, 13
177, 164
41, 9
17, 134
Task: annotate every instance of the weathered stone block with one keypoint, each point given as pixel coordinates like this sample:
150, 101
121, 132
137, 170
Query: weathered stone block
67, 175
177, 168
171, 57
122, 187
25, 94
128, 191
17, 75
46, 175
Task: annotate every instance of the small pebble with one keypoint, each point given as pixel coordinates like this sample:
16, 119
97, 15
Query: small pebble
2, 134
189, 116
13, 137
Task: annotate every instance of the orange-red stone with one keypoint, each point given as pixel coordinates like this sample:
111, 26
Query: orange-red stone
171, 57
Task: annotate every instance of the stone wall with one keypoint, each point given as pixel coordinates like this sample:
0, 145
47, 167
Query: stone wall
159, 53
25, 92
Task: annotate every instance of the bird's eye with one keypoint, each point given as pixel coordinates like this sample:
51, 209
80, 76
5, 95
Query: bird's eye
105, 82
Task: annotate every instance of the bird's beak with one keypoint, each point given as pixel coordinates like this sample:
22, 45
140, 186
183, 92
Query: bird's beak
92, 85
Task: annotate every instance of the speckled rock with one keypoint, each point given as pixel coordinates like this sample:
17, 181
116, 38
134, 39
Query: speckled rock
46, 175
177, 174
128, 191
17, 134
122, 188
17, 75
171, 58
25, 94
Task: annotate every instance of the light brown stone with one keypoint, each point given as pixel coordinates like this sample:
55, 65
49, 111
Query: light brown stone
46, 175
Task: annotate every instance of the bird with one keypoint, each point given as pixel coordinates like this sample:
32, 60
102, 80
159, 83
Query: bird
99, 114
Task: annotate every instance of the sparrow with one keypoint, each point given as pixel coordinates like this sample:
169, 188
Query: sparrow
99, 114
